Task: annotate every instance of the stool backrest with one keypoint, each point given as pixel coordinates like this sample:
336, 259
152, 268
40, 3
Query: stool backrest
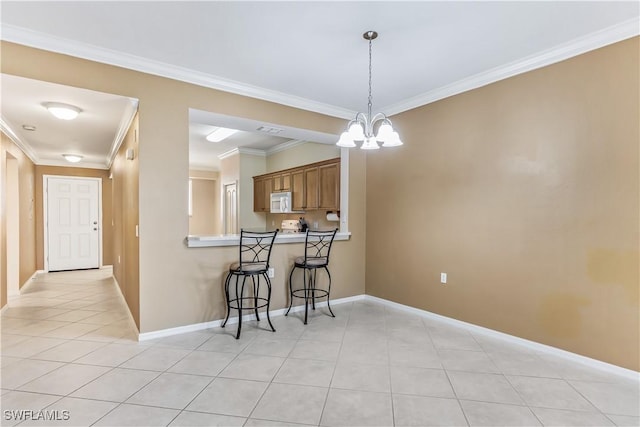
255, 248
318, 245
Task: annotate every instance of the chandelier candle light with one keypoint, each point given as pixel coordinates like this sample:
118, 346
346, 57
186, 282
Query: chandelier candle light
361, 128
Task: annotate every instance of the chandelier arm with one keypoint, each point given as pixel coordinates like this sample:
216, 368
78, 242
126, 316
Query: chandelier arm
360, 117
378, 117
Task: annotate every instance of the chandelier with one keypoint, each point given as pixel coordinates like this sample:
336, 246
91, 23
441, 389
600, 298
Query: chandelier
361, 128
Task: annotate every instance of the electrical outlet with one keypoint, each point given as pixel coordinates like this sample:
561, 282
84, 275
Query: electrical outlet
443, 277
271, 273
315, 225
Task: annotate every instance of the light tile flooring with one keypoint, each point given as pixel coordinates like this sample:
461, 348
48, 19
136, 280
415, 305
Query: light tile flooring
67, 345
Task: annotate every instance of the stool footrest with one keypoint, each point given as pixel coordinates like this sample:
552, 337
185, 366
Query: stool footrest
233, 303
319, 293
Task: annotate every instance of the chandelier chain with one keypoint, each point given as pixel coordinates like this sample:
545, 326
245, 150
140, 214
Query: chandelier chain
370, 101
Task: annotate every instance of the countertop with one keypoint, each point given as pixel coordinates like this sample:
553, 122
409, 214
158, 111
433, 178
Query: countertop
234, 239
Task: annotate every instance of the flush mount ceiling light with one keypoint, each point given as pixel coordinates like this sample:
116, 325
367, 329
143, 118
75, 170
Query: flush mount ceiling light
62, 111
220, 134
72, 158
361, 128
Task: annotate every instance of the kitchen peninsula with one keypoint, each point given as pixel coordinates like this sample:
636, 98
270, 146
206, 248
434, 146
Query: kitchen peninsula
315, 194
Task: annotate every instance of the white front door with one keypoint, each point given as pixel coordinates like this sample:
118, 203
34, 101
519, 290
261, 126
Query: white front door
72, 223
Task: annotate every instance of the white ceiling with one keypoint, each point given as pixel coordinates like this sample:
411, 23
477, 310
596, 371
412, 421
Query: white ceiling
94, 134
305, 54
204, 154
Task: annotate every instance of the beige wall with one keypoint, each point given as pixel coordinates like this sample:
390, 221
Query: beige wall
125, 212
107, 239
26, 179
526, 193
303, 154
205, 204
180, 285
229, 174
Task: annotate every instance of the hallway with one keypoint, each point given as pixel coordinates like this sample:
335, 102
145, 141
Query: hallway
70, 352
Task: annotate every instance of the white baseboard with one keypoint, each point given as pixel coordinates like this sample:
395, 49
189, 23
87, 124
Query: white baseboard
130, 317
233, 320
24, 287
543, 348
29, 281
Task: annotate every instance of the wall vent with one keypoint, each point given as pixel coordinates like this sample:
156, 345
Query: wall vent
269, 129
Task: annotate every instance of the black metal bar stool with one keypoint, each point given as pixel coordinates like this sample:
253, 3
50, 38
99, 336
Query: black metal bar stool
317, 248
255, 252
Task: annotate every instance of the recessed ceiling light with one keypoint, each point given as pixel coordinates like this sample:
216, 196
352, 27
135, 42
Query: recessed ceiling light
73, 158
63, 111
220, 134
30, 128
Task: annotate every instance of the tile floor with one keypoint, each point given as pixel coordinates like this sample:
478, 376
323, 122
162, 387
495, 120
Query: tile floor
67, 345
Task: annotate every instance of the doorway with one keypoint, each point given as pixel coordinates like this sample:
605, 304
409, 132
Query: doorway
13, 226
230, 209
72, 223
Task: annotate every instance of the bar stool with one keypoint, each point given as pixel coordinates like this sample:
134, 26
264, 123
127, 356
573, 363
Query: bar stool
317, 248
255, 252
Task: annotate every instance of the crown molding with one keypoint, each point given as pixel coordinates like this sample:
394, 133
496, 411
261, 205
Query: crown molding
7, 129
575, 47
65, 164
229, 153
580, 45
285, 146
242, 150
36, 39
123, 128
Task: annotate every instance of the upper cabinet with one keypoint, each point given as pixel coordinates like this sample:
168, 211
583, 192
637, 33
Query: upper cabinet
258, 195
297, 190
313, 187
329, 186
282, 182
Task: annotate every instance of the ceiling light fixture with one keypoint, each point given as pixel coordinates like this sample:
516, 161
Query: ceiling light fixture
63, 111
72, 158
220, 134
361, 128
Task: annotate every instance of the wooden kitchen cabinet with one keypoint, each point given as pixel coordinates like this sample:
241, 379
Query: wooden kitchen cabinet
282, 182
311, 188
258, 195
329, 186
297, 190
277, 183
285, 182
315, 186
268, 189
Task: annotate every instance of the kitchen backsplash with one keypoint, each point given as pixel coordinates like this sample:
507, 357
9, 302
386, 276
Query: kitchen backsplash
274, 220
